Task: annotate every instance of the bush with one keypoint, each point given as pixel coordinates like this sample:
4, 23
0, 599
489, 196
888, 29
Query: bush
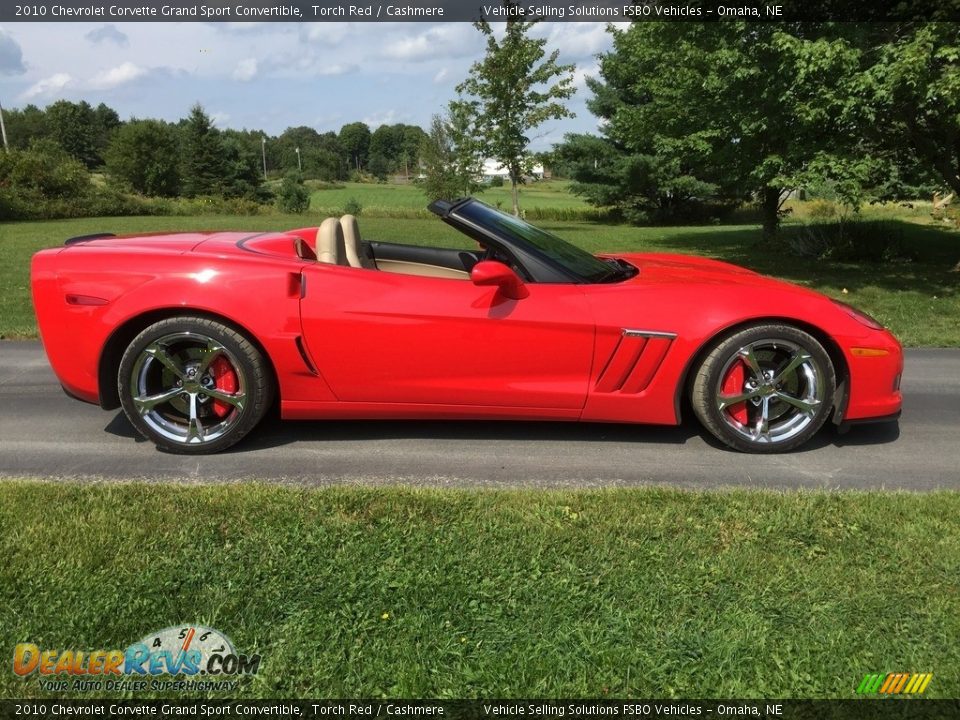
850, 241
292, 196
822, 210
496, 181
352, 207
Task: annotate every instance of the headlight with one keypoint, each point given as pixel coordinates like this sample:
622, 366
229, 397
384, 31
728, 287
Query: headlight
859, 316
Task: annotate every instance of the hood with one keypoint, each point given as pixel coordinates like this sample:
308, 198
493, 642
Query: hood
669, 268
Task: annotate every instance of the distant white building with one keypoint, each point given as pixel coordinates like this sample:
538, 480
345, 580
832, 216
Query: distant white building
492, 169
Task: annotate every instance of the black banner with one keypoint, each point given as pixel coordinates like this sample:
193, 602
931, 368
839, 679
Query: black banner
470, 10
866, 709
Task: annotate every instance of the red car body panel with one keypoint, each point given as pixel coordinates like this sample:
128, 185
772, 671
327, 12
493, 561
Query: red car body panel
363, 343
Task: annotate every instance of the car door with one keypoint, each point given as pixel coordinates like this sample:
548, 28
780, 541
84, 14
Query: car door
393, 338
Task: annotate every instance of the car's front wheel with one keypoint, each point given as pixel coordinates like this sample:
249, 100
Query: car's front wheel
193, 385
766, 388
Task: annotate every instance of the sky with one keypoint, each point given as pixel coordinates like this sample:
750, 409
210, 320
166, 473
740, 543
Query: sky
272, 76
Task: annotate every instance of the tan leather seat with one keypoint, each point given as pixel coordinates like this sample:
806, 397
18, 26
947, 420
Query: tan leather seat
351, 240
330, 247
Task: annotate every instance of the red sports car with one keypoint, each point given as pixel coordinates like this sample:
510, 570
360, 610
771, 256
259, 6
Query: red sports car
195, 335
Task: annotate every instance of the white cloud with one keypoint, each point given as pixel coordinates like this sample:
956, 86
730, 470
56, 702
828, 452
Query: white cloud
219, 119
246, 70
114, 77
47, 87
435, 43
390, 117
578, 40
441, 76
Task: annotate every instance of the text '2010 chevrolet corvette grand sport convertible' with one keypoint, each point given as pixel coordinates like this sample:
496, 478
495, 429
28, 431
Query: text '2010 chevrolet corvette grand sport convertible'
195, 335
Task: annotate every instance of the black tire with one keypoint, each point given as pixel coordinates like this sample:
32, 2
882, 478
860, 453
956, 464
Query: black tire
167, 380
795, 408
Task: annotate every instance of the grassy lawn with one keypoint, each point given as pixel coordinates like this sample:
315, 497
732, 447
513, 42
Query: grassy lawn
367, 592
918, 300
380, 197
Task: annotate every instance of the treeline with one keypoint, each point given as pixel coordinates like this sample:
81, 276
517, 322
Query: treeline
72, 159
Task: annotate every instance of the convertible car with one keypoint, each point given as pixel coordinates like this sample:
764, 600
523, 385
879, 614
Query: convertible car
196, 335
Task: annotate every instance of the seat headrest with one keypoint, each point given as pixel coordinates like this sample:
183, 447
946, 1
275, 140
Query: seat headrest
330, 248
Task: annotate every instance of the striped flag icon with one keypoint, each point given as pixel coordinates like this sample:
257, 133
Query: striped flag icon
894, 683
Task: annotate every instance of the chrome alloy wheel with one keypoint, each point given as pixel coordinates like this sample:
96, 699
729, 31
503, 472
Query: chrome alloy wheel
770, 390
188, 388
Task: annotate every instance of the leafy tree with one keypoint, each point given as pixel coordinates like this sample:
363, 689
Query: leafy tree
143, 156
242, 169
25, 125
642, 186
743, 106
386, 141
909, 87
74, 126
355, 139
379, 166
450, 157
512, 91
413, 137
202, 155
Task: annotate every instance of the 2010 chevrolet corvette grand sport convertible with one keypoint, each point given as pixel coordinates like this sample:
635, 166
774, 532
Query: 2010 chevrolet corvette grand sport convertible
196, 335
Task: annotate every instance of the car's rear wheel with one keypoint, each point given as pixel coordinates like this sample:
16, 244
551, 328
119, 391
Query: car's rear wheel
193, 385
766, 388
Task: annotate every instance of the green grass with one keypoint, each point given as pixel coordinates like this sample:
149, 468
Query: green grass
918, 300
366, 592
380, 198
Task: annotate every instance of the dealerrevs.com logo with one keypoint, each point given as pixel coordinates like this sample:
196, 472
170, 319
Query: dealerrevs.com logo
894, 683
175, 658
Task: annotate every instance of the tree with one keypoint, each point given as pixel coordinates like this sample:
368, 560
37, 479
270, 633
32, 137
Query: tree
642, 186
744, 106
909, 84
379, 166
413, 137
450, 157
74, 126
25, 125
355, 139
386, 142
143, 156
512, 91
202, 155
242, 169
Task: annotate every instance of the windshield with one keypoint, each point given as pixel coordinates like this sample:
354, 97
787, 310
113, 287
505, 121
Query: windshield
579, 262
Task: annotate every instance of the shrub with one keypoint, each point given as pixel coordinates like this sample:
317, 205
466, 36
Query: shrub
496, 181
352, 207
292, 196
850, 241
822, 210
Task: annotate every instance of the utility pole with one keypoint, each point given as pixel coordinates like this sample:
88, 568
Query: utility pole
263, 145
299, 167
3, 131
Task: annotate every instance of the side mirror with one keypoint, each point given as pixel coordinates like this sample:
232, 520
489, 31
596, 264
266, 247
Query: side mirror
491, 272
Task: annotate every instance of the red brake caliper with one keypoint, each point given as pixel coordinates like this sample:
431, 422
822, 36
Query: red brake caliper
733, 385
224, 378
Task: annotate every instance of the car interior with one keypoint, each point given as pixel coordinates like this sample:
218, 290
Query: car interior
338, 241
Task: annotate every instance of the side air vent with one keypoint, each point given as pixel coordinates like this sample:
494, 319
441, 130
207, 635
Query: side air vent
634, 361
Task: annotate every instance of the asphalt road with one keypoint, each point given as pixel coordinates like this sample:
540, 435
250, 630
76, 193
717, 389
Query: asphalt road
43, 433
